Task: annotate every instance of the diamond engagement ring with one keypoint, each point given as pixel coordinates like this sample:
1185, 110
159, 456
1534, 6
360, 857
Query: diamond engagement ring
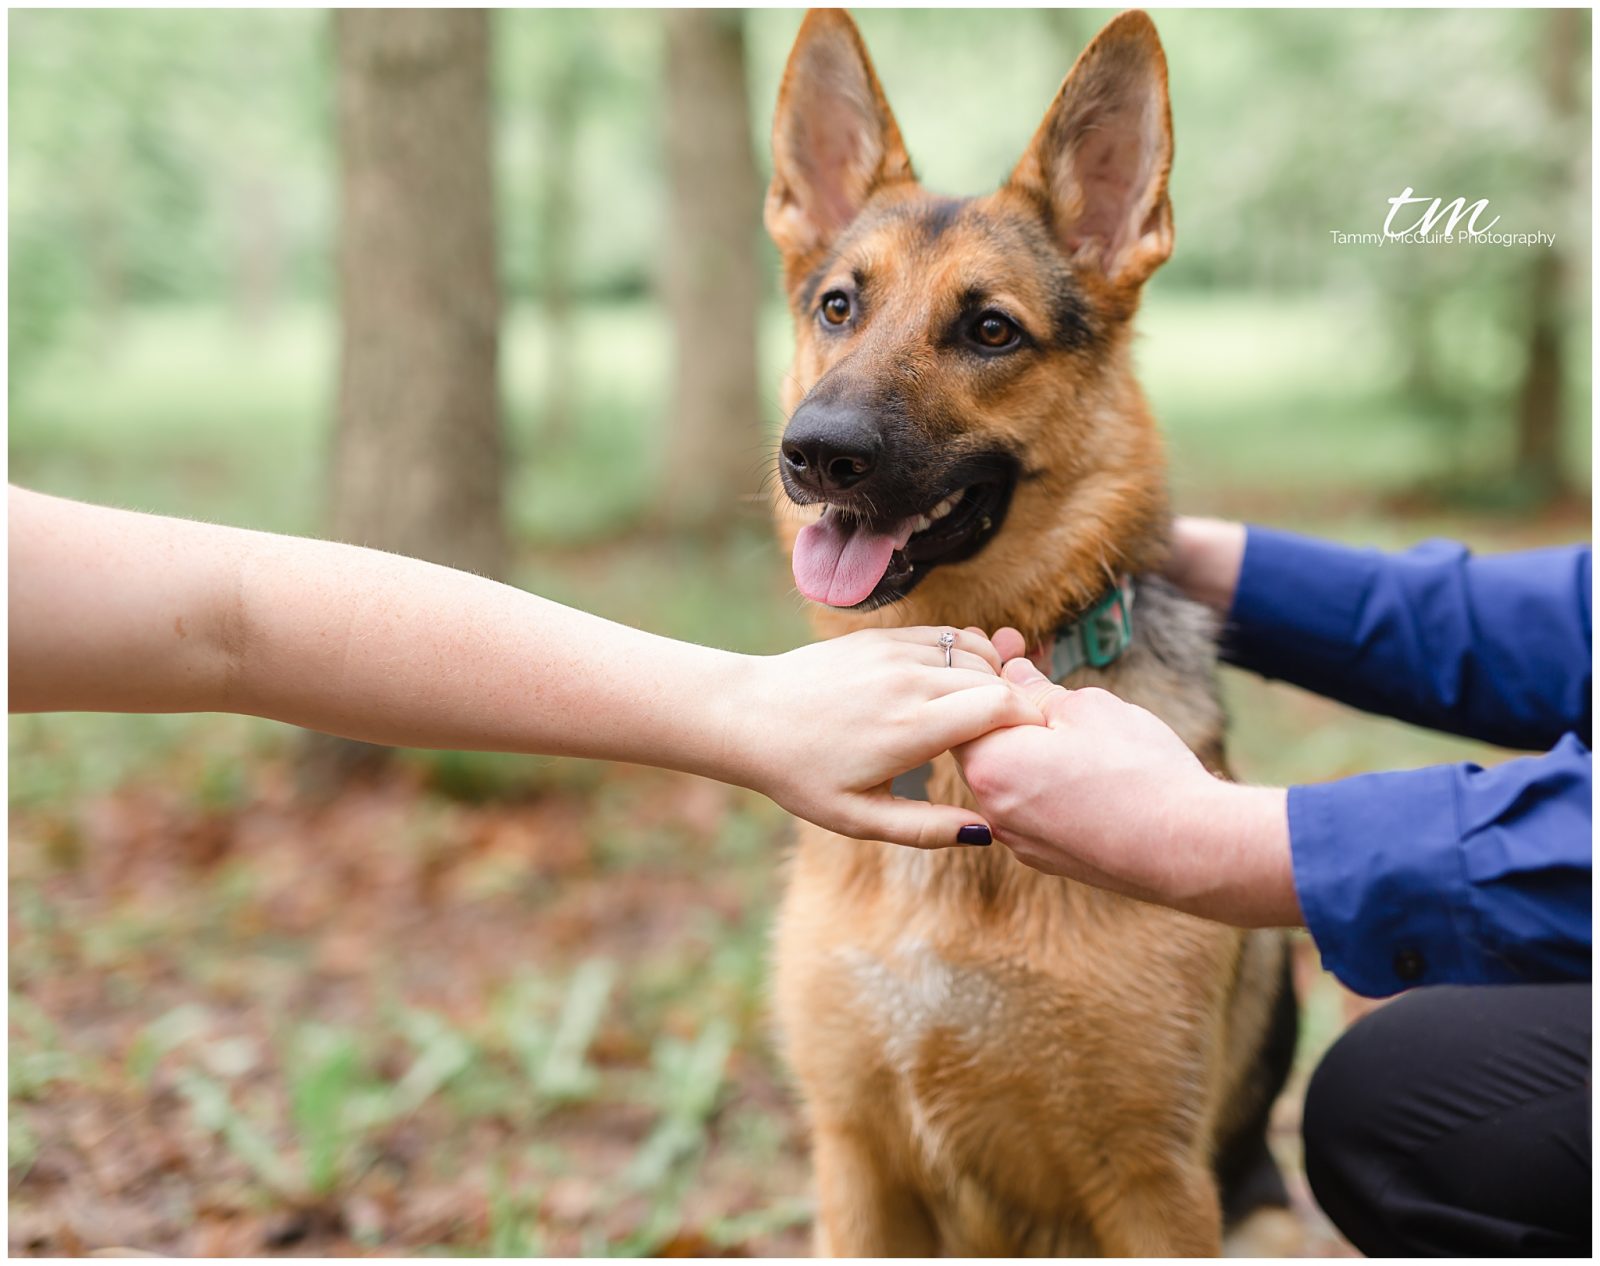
947, 639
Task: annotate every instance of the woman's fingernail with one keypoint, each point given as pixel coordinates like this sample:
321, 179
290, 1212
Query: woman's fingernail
977, 834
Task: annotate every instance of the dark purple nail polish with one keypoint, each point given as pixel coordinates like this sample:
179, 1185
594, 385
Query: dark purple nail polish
978, 834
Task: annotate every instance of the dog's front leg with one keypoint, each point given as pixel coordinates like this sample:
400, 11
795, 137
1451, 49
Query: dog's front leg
863, 1210
1166, 1211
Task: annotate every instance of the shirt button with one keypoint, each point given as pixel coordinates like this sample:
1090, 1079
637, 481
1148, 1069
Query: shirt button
1409, 966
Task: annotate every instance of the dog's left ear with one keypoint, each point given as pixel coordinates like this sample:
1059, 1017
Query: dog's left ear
1101, 158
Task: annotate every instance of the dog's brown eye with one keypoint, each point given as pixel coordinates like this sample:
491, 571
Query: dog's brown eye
835, 307
993, 330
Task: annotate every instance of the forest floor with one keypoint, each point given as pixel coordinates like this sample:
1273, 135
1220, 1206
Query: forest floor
478, 1004
397, 1023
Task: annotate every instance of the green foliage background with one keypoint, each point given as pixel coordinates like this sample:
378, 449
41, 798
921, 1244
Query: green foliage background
153, 152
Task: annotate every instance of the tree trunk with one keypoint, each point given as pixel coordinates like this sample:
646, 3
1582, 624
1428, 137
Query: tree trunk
418, 450
417, 465
715, 444
1541, 400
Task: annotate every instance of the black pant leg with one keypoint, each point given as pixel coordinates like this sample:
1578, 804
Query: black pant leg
1455, 1122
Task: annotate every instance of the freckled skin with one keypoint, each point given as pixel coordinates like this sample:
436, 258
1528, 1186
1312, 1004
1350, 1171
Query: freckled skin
995, 1061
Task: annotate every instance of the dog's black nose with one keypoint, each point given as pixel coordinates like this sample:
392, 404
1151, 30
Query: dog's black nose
829, 448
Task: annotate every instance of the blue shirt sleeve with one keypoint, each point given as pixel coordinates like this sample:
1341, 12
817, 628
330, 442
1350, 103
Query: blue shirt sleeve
1452, 874
1495, 648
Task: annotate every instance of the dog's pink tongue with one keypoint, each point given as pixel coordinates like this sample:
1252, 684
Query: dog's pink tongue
840, 562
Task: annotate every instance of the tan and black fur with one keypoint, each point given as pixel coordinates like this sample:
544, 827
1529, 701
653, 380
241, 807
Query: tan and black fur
995, 1061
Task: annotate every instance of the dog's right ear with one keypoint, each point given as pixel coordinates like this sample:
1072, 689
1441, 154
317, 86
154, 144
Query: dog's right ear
834, 140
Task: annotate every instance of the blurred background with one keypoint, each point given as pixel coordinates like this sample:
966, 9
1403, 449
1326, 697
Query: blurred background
491, 289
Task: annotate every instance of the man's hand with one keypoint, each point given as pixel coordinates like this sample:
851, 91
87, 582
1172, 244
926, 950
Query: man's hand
1107, 794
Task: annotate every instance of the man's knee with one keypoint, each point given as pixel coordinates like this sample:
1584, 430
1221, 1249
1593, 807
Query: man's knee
1440, 1123
1341, 1163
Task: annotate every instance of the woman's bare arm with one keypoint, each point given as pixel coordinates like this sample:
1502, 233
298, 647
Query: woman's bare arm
117, 611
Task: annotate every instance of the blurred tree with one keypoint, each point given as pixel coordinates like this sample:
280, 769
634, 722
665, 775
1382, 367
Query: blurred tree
1540, 405
417, 462
612, 59
711, 271
418, 450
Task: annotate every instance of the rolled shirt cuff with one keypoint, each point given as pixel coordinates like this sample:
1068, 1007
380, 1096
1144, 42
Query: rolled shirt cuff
1378, 869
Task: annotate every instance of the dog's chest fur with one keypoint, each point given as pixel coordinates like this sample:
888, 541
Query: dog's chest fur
996, 1011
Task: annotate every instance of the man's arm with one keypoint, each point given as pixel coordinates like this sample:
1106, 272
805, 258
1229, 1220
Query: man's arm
1453, 874
1495, 648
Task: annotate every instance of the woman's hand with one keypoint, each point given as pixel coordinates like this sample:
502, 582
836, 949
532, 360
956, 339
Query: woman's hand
1107, 794
825, 728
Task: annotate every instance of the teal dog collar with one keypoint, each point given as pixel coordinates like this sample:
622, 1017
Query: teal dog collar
1097, 638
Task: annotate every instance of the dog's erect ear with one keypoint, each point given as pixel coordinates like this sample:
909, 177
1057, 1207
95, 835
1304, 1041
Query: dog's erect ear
1101, 158
834, 141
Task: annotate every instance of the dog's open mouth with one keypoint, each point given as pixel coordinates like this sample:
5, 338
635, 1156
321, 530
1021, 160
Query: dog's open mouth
845, 560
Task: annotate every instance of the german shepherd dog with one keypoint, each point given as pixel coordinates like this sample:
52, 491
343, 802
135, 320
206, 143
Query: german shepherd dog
996, 1061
